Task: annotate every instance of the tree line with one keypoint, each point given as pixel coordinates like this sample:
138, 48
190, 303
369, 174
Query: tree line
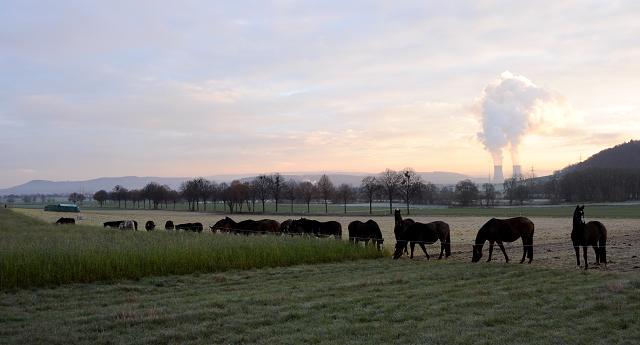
405, 186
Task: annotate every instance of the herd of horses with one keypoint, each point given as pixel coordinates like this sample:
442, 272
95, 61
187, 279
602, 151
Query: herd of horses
407, 233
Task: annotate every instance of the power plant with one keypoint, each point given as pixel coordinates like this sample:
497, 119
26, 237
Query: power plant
497, 174
517, 171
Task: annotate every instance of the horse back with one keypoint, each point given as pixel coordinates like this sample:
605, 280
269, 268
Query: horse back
511, 229
596, 233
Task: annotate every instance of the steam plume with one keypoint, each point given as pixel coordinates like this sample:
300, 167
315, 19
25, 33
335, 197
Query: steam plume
512, 107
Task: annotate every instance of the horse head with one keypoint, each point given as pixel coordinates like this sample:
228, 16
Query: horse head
477, 253
401, 248
578, 215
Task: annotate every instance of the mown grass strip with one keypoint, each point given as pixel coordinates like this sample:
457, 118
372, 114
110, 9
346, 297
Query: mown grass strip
34, 253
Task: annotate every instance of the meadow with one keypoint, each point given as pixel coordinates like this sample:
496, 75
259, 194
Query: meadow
342, 301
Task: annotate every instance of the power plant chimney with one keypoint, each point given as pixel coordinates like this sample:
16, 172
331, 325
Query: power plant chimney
517, 171
497, 174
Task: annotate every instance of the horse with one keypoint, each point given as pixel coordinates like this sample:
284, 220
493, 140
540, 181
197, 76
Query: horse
267, 226
246, 227
359, 231
319, 229
423, 234
66, 221
401, 224
169, 225
113, 224
284, 226
505, 230
195, 227
127, 224
150, 225
592, 234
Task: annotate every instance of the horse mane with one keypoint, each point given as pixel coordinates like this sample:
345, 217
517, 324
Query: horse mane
482, 233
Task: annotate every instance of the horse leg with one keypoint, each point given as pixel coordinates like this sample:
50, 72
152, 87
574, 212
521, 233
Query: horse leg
424, 250
597, 250
413, 244
586, 263
506, 258
490, 250
441, 249
524, 251
577, 248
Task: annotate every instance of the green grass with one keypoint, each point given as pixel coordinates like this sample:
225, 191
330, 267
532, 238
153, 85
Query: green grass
35, 253
351, 302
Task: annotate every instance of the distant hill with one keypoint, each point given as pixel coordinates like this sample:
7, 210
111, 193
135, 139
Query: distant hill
134, 182
626, 155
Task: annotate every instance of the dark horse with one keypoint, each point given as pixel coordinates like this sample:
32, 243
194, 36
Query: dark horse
66, 221
248, 227
422, 234
369, 231
590, 234
505, 230
401, 224
195, 227
317, 228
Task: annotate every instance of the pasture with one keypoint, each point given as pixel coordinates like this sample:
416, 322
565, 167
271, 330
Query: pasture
552, 238
362, 301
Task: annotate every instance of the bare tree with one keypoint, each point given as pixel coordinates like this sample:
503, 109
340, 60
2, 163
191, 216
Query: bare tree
410, 186
275, 187
289, 191
368, 189
262, 183
305, 192
389, 181
326, 190
489, 192
345, 193
119, 193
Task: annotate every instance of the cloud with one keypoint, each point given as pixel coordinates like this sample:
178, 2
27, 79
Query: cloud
512, 107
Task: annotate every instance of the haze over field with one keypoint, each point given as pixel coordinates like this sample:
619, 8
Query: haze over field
187, 89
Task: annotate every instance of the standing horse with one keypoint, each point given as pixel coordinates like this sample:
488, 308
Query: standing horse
369, 231
401, 224
592, 234
424, 234
505, 230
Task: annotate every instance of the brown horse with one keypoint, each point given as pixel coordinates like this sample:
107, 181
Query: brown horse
423, 234
369, 231
505, 230
590, 234
401, 224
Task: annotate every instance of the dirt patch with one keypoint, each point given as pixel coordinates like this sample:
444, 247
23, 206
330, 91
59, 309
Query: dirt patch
552, 244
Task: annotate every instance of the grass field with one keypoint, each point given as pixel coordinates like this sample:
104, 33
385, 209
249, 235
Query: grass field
354, 302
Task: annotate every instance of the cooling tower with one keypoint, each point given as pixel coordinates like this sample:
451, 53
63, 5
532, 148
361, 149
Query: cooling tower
497, 174
517, 171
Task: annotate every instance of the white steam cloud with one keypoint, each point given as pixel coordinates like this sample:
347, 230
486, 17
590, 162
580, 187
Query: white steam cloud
512, 107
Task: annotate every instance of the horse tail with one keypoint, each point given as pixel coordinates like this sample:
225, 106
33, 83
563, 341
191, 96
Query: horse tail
447, 246
603, 245
530, 243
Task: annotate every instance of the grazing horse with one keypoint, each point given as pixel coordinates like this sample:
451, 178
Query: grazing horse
195, 227
319, 229
423, 234
592, 234
127, 224
246, 227
359, 231
284, 226
505, 230
169, 225
113, 224
66, 221
150, 225
267, 226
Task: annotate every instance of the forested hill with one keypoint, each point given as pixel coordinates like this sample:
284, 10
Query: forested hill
626, 155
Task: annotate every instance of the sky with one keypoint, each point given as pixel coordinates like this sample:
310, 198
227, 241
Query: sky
200, 88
